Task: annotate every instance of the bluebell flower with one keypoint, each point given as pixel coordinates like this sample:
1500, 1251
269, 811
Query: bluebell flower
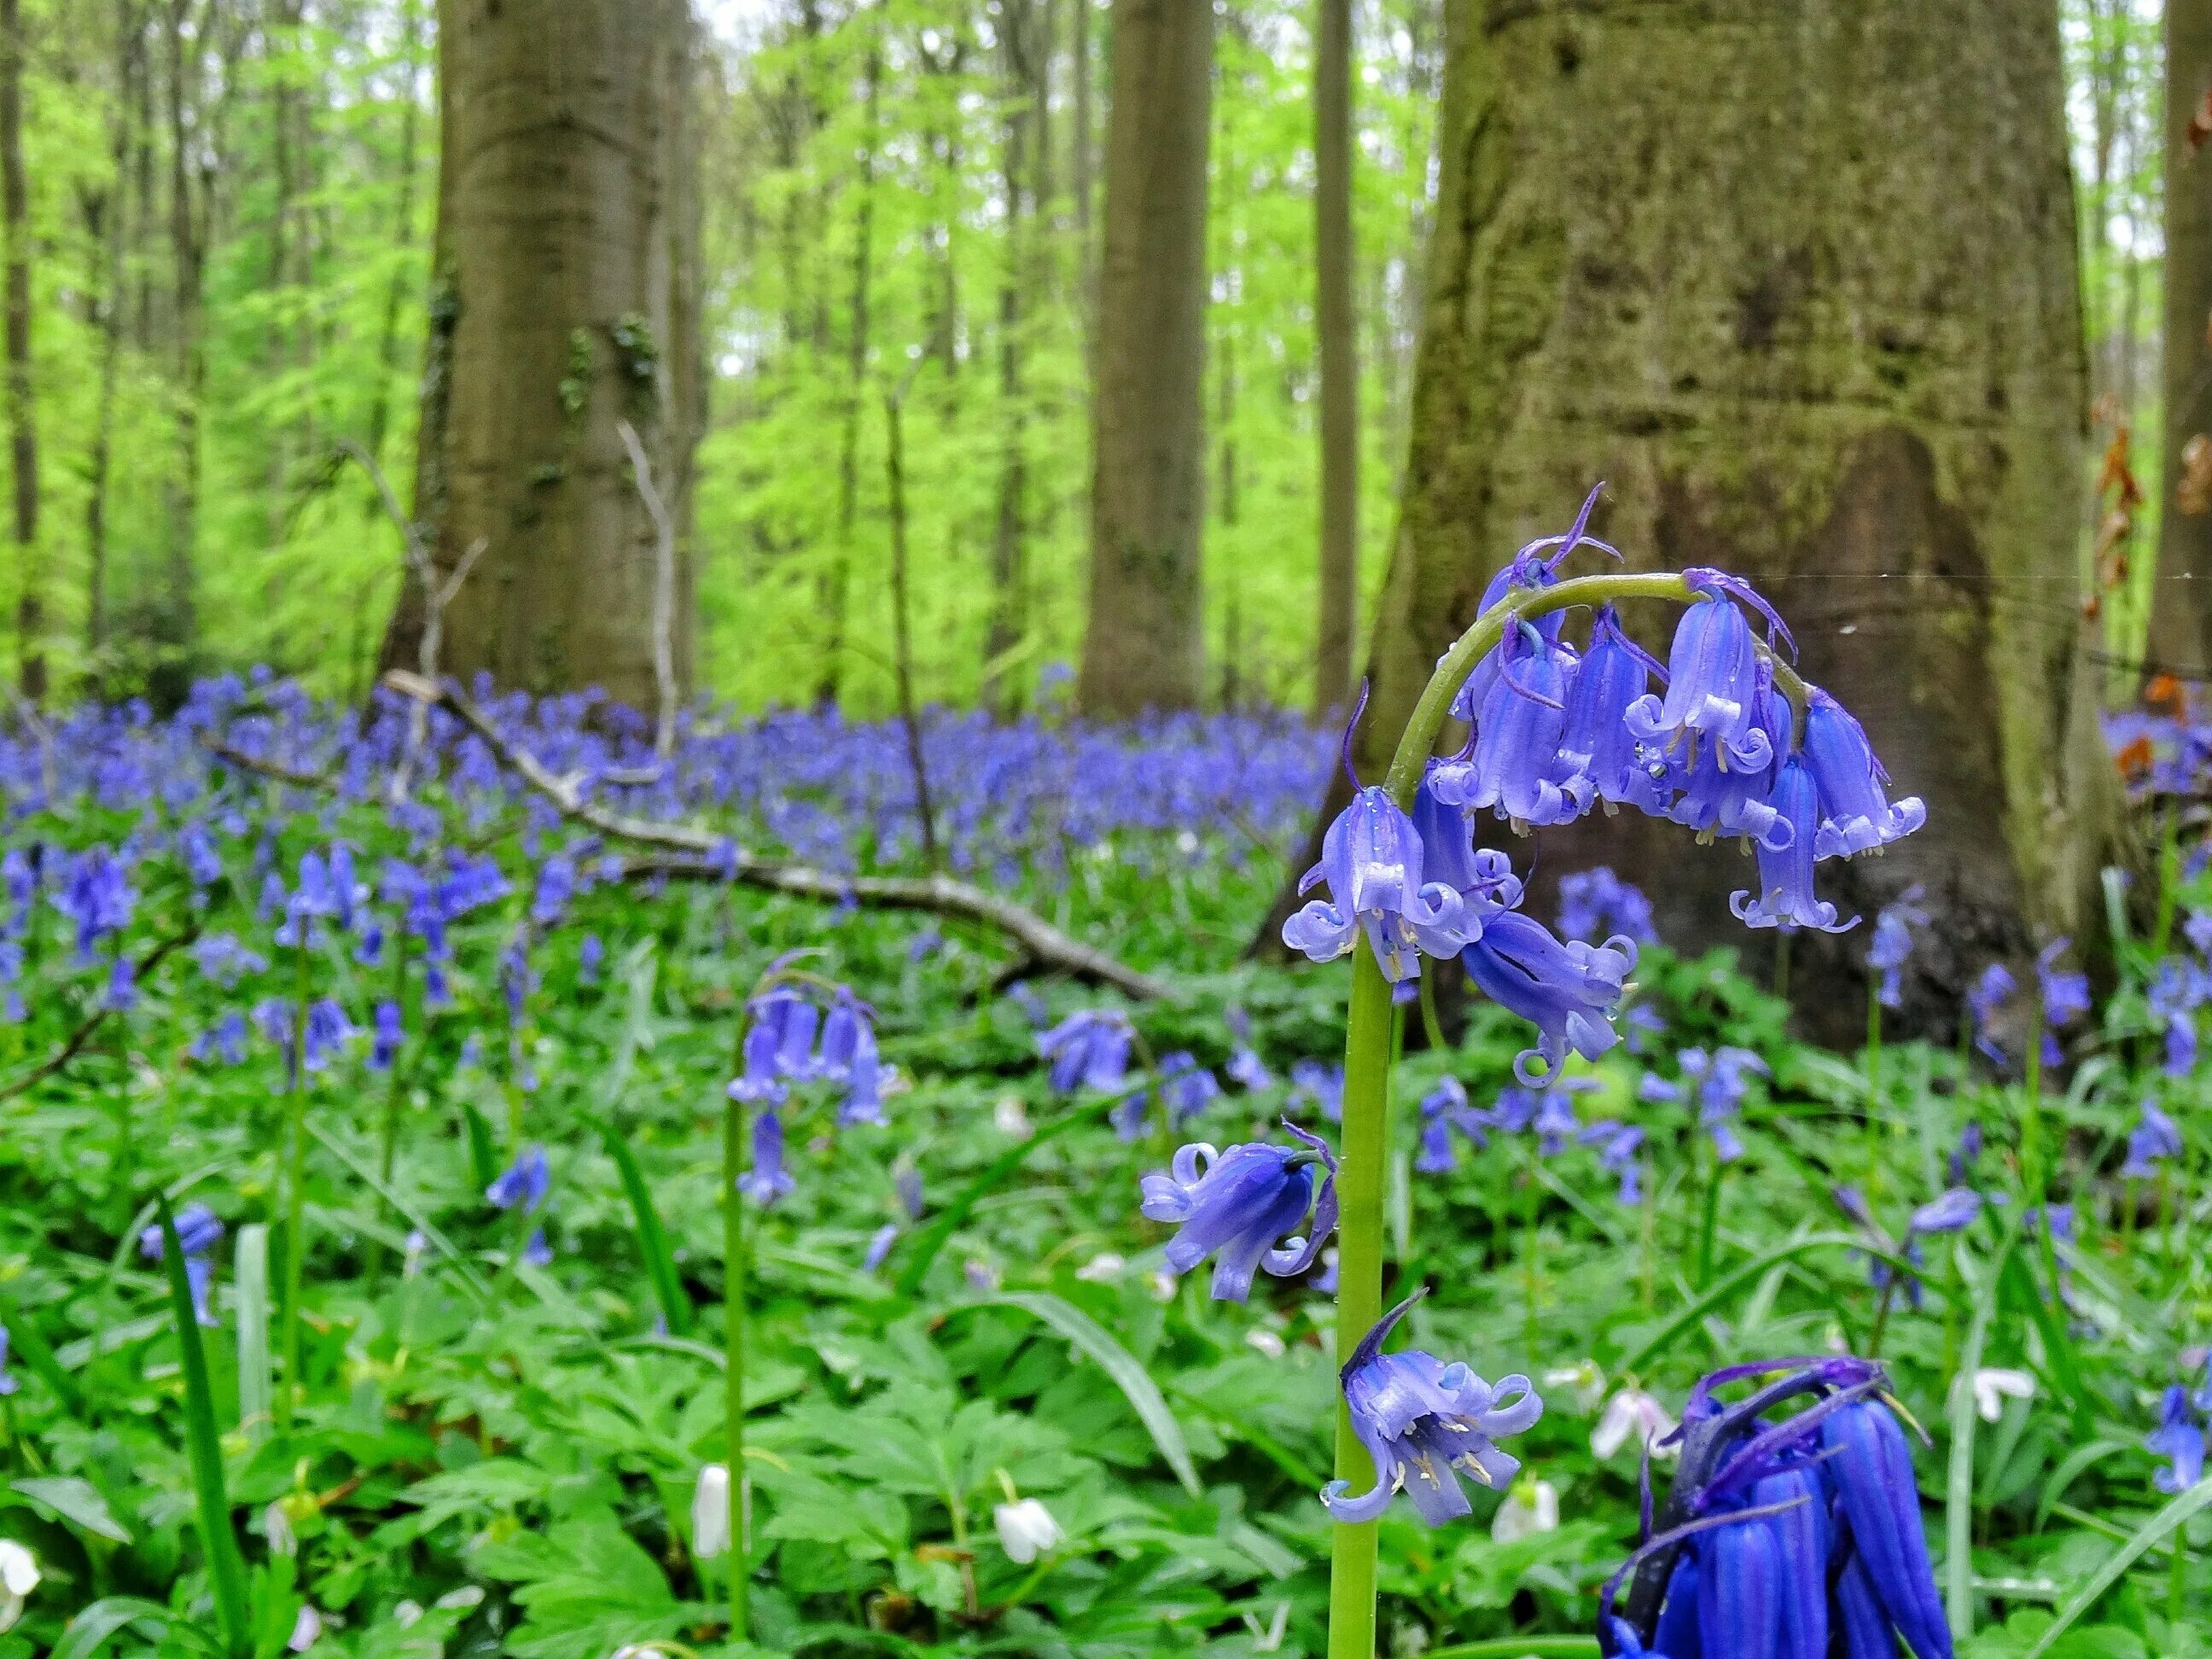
760, 1082
523, 1184
2154, 1138
848, 1058
224, 1040
1595, 904
96, 894
1239, 1203
368, 943
589, 956
1717, 1082
1966, 1154
122, 985
879, 1245
1245, 1068
1024, 995
1785, 896
1371, 860
1856, 815
1891, 948
1950, 1212
1568, 989
1485, 880
1514, 765
8, 1382
1421, 1420
767, 1181
1089, 1049
198, 1231
2179, 1438
2197, 929
1529, 568
1987, 998
389, 1032
1717, 800
1714, 686
1615, 672
196, 848
556, 886
1444, 1108
1619, 1146
536, 1252
906, 1182
1778, 1530
2065, 992
1639, 1025
1318, 1083
328, 1031
1190, 1087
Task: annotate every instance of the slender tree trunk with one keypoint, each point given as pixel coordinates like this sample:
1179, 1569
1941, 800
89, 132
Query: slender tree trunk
1081, 162
2181, 614
1021, 127
22, 426
1337, 329
1144, 644
108, 230
1748, 333
1227, 504
403, 234
558, 312
176, 623
837, 600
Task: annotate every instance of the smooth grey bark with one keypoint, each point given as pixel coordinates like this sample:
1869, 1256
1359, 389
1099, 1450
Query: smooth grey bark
1145, 645
1798, 351
2181, 613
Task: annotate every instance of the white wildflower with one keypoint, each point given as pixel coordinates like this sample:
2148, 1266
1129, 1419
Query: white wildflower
1532, 1506
1026, 1530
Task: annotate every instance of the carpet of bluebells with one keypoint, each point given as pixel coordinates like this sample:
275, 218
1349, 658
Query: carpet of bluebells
476, 1058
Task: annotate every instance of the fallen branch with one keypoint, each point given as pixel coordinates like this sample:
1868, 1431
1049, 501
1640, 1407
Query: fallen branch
73, 1045
712, 857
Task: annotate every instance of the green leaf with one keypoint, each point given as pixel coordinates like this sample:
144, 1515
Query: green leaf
1118, 1363
93, 1626
2074, 1465
76, 1500
226, 1567
1734, 1281
2167, 1522
1959, 1492
651, 1237
423, 1223
255, 1387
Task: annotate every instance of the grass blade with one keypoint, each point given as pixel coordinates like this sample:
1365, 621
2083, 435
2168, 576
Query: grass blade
421, 1223
931, 1239
2161, 1525
256, 1387
651, 1237
1734, 1281
2076, 1464
93, 1627
226, 1567
44, 1363
1128, 1373
1958, 1487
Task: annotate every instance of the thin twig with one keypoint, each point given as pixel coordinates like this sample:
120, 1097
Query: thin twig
74, 1044
664, 591
939, 895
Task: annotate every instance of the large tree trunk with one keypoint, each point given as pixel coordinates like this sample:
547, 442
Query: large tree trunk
22, 428
176, 614
1800, 350
1337, 337
562, 306
2181, 614
1145, 646
1023, 124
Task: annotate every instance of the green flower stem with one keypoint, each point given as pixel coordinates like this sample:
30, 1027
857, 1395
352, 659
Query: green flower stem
733, 1351
1364, 1153
295, 1188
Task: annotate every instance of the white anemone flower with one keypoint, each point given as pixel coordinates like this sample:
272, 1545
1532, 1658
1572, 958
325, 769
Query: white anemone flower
1026, 1530
710, 1512
19, 1576
307, 1629
1994, 1385
1531, 1507
1632, 1412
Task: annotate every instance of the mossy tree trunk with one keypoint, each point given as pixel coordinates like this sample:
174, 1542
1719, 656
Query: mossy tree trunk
2181, 614
1799, 281
565, 301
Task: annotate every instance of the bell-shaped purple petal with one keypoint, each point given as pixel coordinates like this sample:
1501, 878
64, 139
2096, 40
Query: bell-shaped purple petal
1371, 860
1237, 1205
1856, 815
1785, 896
1569, 989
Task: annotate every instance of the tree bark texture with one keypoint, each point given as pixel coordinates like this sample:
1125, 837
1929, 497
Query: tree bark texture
1144, 644
1337, 330
22, 429
565, 300
1815, 317
2181, 614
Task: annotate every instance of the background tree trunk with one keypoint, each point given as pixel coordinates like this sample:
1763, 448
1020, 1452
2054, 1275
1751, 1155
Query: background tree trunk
1801, 351
1145, 646
1337, 329
2181, 617
22, 428
563, 304
1022, 124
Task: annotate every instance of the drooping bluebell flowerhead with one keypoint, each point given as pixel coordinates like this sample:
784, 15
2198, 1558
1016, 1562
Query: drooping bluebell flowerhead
1514, 766
95, 894
1568, 989
1371, 862
2178, 1438
1240, 1204
1785, 896
1779, 1531
225, 1040
1856, 815
1716, 1082
223, 961
1089, 1049
1595, 904
1891, 947
1596, 743
1619, 1146
329, 1030
198, 1231
1421, 1420
2154, 1138
523, 1184
1951, 1212
2177, 990
849, 1057
1713, 687
556, 886
1483, 878
1444, 1110
1529, 568
389, 1032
